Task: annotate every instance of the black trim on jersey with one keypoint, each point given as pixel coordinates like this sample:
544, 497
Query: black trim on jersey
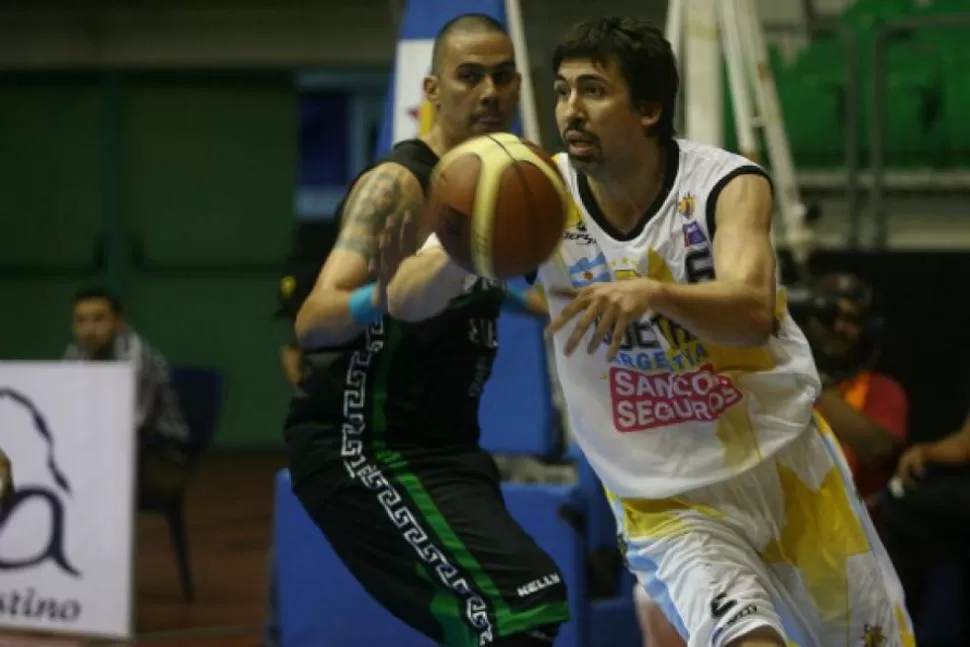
422, 159
711, 215
421, 154
671, 166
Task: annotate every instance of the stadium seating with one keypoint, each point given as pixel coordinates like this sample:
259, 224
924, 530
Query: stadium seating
926, 86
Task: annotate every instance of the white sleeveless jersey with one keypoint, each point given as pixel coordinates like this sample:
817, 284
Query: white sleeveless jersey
671, 412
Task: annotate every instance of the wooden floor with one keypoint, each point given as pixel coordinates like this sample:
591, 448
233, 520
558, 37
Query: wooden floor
228, 518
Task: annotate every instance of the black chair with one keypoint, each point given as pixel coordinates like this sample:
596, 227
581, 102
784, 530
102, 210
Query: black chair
200, 395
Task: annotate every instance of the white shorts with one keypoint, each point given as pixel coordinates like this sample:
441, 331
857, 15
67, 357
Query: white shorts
787, 544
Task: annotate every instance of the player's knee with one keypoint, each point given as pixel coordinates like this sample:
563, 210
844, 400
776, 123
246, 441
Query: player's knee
759, 637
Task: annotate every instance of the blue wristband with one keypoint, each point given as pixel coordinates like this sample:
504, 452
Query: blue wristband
361, 304
515, 299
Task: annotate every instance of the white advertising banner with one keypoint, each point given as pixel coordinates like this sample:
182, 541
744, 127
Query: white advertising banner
66, 542
412, 113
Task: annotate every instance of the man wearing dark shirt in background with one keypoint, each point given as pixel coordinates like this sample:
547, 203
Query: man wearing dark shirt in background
102, 333
927, 520
867, 410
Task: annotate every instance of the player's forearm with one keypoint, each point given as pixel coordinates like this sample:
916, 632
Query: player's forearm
291, 360
327, 318
526, 302
952, 450
424, 285
722, 312
870, 441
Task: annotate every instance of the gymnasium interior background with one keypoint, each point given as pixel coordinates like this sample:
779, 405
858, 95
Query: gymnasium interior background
171, 150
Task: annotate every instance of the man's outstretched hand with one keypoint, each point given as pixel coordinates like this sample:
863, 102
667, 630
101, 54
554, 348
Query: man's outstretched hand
396, 242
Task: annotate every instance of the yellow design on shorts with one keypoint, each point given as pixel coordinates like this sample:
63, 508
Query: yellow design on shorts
819, 550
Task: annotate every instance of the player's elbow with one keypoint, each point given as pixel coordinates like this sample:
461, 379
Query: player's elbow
316, 325
304, 325
758, 324
762, 326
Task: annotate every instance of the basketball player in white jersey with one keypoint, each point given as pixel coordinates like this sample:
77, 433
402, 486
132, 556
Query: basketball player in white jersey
688, 386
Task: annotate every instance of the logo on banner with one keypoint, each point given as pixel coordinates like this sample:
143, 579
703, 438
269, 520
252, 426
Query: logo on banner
423, 115
50, 549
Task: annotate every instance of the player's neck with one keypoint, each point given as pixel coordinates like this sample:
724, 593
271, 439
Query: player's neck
440, 141
625, 189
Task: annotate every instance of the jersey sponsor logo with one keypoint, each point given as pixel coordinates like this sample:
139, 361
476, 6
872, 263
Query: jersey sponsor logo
579, 234
693, 234
535, 586
682, 360
720, 606
587, 271
644, 401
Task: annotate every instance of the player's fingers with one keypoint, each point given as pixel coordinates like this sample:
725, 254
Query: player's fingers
404, 234
908, 480
385, 255
572, 308
585, 321
563, 292
605, 324
906, 470
619, 331
918, 468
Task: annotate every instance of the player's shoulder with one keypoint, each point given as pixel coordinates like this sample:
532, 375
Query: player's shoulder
411, 162
699, 156
702, 166
394, 176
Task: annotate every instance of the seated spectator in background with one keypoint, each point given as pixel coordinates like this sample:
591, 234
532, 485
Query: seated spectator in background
927, 517
867, 410
293, 290
102, 334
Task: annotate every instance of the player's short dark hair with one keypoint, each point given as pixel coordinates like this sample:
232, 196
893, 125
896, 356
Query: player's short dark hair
463, 24
642, 53
98, 292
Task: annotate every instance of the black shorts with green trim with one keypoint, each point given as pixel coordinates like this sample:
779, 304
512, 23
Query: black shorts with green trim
430, 538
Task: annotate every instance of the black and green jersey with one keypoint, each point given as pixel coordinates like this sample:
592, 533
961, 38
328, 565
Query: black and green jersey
403, 384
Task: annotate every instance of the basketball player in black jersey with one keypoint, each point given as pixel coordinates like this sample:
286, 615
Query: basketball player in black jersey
383, 431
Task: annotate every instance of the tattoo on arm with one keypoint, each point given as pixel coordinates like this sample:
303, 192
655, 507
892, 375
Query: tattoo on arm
381, 197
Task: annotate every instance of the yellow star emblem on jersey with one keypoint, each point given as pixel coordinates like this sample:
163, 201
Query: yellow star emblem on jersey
686, 206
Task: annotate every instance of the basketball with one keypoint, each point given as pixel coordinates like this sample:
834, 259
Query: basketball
498, 204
